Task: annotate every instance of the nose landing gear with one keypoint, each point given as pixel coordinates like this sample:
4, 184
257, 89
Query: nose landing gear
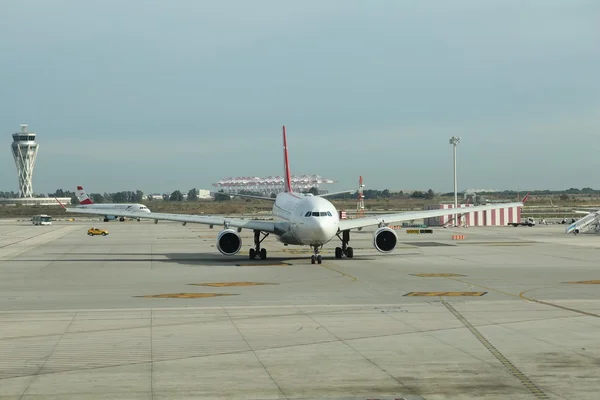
316, 257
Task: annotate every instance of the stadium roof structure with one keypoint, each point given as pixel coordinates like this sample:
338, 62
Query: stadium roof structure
270, 184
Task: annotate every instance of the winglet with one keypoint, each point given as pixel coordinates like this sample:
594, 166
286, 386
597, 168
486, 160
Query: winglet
287, 179
61, 204
525, 198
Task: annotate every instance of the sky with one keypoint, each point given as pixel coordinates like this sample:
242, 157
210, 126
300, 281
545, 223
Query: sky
159, 96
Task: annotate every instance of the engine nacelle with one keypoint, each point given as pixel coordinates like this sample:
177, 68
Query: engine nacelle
385, 239
229, 242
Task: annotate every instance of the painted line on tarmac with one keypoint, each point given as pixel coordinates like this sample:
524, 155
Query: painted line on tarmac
8, 254
39, 234
440, 294
514, 371
522, 295
481, 286
352, 278
527, 298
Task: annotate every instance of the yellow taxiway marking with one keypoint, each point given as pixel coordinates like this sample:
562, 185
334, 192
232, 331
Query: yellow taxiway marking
352, 278
437, 275
523, 297
498, 243
225, 284
482, 286
445, 294
184, 295
258, 264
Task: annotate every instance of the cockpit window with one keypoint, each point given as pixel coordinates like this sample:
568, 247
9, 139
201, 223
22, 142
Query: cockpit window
318, 214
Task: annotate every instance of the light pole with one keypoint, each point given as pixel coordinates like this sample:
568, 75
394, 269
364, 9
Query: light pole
454, 141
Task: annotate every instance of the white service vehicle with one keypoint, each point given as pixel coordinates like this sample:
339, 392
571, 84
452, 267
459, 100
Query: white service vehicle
41, 219
529, 221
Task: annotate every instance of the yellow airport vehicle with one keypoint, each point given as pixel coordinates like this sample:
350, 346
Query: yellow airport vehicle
97, 231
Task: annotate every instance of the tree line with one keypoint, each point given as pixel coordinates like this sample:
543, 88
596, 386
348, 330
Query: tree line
127, 196
386, 194
137, 196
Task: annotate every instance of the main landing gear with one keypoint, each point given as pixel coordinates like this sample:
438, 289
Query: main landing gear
121, 219
257, 251
344, 250
316, 257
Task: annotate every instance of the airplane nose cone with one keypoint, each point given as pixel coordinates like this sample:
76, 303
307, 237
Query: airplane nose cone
323, 232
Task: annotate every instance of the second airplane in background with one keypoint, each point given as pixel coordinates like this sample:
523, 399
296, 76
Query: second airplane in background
112, 210
300, 219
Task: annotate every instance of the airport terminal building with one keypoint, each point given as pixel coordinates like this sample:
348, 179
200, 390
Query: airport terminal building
35, 201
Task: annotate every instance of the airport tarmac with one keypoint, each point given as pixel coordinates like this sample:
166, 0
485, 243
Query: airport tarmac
156, 312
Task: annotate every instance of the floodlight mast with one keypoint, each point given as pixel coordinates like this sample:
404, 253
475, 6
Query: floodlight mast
360, 204
454, 142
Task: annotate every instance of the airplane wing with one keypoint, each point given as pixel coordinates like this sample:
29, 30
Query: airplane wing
411, 215
585, 211
264, 226
249, 196
334, 193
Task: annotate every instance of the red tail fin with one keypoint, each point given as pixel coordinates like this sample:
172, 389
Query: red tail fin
525, 198
287, 179
82, 196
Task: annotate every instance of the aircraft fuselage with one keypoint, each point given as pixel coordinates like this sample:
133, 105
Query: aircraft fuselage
311, 220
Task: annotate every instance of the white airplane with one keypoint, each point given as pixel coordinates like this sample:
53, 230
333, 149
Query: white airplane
86, 203
301, 219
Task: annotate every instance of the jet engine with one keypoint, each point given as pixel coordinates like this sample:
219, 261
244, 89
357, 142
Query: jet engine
229, 242
385, 239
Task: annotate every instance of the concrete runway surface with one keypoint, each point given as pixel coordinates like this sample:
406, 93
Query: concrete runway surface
156, 312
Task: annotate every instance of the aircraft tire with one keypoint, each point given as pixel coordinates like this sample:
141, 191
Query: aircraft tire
338, 252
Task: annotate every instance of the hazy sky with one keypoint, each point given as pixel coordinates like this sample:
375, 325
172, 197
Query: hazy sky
159, 95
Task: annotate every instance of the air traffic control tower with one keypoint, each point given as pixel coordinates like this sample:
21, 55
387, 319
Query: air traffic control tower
24, 150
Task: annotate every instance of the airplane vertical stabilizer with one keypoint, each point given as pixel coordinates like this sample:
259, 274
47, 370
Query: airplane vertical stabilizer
82, 196
287, 178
